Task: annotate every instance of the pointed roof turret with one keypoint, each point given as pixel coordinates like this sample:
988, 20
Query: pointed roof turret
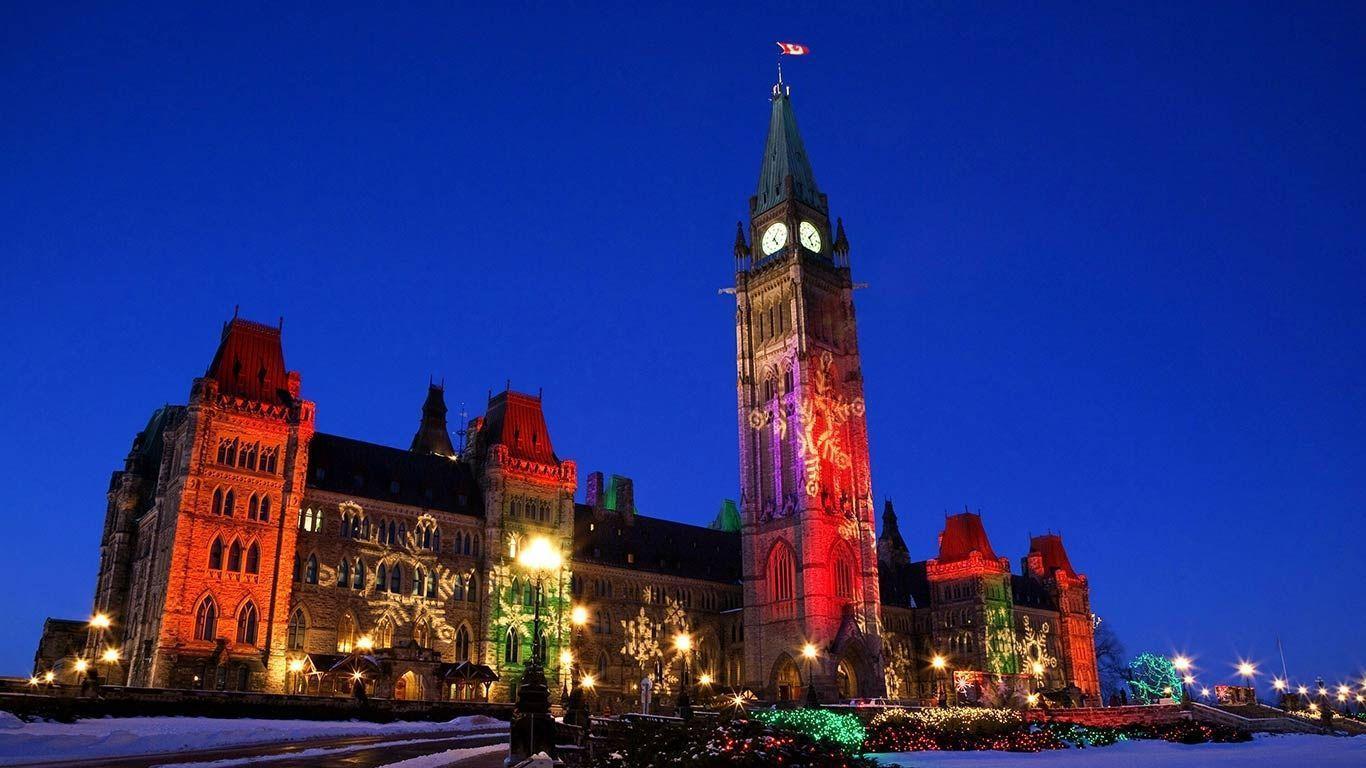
728, 518
432, 436
785, 173
741, 247
891, 547
841, 242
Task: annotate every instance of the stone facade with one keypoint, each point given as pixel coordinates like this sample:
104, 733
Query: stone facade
243, 550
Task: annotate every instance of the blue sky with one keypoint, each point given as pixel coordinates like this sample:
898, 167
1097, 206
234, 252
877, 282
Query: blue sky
1114, 257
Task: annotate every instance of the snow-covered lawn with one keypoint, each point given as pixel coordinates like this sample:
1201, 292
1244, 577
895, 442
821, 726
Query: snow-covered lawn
1262, 752
113, 737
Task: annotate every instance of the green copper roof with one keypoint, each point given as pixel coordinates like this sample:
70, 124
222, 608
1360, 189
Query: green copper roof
727, 519
784, 154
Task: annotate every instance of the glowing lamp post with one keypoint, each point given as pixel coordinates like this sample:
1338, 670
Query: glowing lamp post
683, 644
809, 652
939, 663
1248, 672
539, 558
576, 708
1183, 665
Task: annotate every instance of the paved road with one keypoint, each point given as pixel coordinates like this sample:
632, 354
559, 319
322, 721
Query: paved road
374, 751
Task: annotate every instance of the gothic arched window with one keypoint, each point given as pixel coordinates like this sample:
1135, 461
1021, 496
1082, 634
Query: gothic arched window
396, 579
235, 556
265, 509
206, 619
216, 554
462, 643
298, 630
218, 501
228, 503
358, 575
253, 558
344, 574
512, 646
346, 633
246, 624
311, 570
381, 578
253, 507
782, 573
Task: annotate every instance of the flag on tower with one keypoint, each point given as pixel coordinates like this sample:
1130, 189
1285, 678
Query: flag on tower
793, 49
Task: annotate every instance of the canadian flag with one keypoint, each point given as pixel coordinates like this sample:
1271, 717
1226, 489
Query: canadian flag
793, 49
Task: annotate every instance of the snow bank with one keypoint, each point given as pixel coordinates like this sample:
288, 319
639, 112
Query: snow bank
1262, 752
112, 737
449, 757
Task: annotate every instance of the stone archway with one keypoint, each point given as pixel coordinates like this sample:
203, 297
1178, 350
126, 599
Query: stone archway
408, 687
846, 680
785, 679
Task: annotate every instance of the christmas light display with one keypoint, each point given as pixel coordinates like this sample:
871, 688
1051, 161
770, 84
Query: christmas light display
820, 724
1154, 677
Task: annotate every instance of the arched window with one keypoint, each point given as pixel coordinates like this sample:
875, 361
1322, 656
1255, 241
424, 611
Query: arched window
344, 575
206, 619
462, 644
358, 575
381, 578
426, 538
842, 561
298, 630
396, 580
253, 507
216, 554
476, 546
419, 578
228, 503
235, 556
782, 574
472, 588
265, 509
512, 646
346, 633
254, 558
602, 666
436, 539
231, 453
311, 570
246, 624
422, 633
431, 584
384, 635
222, 451
218, 501
393, 533
458, 591
403, 534
516, 592
298, 568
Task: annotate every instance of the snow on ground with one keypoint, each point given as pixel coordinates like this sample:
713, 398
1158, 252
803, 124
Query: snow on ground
1262, 752
113, 737
331, 752
449, 757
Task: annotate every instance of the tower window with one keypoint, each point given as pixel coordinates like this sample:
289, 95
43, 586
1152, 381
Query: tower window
206, 619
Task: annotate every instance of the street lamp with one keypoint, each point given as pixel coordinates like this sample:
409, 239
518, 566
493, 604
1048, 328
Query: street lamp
809, 652
539, 558
939, 663
1247, 670
1182, 664
683, 644
576, 708
365, 643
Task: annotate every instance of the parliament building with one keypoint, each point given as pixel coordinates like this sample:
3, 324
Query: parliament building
243, 549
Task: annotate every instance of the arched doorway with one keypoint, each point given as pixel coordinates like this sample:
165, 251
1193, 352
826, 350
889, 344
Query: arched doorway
407, 687
846, 681
787, 679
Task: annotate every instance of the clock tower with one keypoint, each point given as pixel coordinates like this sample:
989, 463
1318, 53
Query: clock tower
810, 558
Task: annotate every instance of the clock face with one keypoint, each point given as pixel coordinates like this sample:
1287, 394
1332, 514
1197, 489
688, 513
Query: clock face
775, 237
810, 236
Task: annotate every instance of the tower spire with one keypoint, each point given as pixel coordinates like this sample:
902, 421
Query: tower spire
785, 173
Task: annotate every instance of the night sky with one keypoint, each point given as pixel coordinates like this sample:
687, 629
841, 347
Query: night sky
1114, 265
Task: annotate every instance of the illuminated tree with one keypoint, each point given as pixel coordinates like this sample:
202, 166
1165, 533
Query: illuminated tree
1153, 677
